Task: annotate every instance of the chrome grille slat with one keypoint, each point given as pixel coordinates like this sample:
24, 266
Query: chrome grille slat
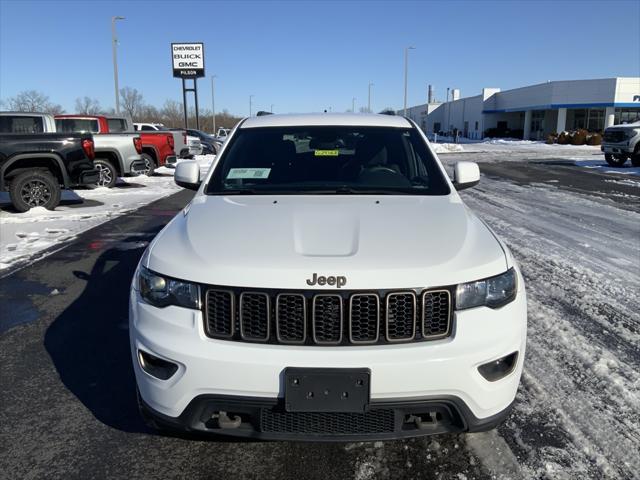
400, 316
327, 318
220, 313
291, 318
364, 318
255, 313
436, 314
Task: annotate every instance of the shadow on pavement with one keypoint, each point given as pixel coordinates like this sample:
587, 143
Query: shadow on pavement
89, 342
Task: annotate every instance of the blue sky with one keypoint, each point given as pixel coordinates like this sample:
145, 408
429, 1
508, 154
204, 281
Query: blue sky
308, 56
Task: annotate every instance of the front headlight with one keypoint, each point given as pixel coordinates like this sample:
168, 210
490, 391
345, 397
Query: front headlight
492, 292
631, 133
161, 292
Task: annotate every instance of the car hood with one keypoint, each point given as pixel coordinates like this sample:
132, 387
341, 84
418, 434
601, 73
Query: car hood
280, 241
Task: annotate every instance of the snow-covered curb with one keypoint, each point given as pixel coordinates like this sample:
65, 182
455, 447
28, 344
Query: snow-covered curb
25, 236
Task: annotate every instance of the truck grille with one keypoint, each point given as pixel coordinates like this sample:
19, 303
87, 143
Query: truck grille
327, 318
614, 136
334, 423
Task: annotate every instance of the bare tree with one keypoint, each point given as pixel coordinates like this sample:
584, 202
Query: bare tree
33, 101
171, 114
132, 101
88, 106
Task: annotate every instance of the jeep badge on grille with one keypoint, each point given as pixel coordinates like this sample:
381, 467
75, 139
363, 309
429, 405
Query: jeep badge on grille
320, 280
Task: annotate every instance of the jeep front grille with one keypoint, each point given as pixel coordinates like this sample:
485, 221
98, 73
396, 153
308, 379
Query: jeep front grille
327, 318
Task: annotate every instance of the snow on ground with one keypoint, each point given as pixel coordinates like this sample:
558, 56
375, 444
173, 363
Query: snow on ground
602, 166
503, 145
578, 409
24, 236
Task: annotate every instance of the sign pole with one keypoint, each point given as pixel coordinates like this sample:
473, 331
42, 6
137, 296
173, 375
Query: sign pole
184, 103
195, 92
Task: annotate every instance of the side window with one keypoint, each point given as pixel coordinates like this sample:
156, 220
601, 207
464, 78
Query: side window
21, 124
146, 128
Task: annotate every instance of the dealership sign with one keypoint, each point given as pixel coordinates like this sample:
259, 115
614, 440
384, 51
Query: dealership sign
188, 60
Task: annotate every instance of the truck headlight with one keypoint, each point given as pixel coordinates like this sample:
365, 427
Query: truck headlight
631, 133
161, 292
492, 292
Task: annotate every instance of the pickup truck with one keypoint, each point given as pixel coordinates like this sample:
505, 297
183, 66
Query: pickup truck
35, 167
117, 154
621, 142
157, 146
185, 145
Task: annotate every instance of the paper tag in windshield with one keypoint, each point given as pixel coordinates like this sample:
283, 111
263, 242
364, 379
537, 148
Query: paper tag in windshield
246, 173
326, 153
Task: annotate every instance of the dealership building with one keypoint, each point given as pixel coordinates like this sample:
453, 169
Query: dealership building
535, 111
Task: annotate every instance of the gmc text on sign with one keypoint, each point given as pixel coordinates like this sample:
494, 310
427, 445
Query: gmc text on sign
188, 59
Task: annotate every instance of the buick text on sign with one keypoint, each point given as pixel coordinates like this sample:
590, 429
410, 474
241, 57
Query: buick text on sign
188, 59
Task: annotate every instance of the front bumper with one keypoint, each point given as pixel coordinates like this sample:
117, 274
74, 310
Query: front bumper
211, 372
266, 419
622, 148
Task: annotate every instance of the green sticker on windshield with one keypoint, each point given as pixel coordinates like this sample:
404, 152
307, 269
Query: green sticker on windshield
246, 173
326, 153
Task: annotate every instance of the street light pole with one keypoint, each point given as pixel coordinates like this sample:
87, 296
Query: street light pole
406, 71
271, 108
114, 45
250, 104
369, 99
353, 105
213, 103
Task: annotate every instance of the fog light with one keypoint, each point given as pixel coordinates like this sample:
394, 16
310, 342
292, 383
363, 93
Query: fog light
156, 367
499, 368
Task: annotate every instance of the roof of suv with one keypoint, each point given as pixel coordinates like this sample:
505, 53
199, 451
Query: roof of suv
330, 119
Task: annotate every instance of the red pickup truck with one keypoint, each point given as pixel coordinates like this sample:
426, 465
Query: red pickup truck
157, 147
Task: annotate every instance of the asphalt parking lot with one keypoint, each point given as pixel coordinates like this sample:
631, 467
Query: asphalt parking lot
67, 387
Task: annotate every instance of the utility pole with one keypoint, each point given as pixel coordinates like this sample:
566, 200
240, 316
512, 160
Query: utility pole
271, 108
369, 99
353, 105
213, 103
406, 72
114, 45
251, 104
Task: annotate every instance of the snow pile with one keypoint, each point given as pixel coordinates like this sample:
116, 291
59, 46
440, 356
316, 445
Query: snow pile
205, 162
26, 236
447, 147
603, 167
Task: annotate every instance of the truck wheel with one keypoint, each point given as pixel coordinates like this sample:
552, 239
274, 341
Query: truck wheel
149, 165
615, 160
108, 173
34, 189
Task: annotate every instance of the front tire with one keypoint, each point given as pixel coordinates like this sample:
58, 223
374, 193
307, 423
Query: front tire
34, 189
108, 173
615, 160
149, 165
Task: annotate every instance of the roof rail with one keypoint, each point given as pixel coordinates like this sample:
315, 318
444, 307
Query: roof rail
387, 111
262, 113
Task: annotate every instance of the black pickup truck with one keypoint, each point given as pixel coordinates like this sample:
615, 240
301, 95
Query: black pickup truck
35, 167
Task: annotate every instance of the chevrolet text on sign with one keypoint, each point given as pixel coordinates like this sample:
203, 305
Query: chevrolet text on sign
188, 59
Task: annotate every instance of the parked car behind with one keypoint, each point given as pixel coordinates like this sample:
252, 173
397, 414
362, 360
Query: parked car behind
157, 146
185, 146
35, 167
211, 145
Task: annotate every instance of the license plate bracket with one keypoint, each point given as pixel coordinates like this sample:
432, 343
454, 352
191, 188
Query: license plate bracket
327, 389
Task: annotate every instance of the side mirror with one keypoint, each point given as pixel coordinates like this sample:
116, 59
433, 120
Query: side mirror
187, 174
465, 175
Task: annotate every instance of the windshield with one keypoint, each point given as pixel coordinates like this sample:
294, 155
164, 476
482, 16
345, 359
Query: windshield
327, 160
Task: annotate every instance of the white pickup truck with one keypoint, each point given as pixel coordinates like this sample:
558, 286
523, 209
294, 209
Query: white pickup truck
352, 295
622, 142
185, 145
116, 154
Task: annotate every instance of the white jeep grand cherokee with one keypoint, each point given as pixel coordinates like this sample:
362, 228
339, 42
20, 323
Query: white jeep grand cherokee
327, 282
